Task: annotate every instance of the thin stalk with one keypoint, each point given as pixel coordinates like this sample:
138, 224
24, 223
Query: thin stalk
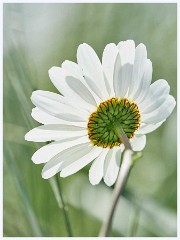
121, 135
121, 180
64, 208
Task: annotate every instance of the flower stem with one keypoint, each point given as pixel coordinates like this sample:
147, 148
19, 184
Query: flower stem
121, 135
64, 207
121, 180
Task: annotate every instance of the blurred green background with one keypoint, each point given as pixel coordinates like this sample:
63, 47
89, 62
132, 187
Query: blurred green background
39, 36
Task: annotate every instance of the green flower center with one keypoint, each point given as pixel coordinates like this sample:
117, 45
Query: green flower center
101, 122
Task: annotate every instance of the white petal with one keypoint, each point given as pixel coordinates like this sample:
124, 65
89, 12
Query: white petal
160, 86
80, 89
122, 147
158, 92
138, 143
45, 153
92, 69
58, 77
48, 173
50, 132
96, 170
77, 83
154, 104
117, 81
72, 166
161, 112
126, 51
112, 165
147, 128
73, 69
108, 62
53, 166
124, 67
141, 93
138, 69
57, 106
45, 118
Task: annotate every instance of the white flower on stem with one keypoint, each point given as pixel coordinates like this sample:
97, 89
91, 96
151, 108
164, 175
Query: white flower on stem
95, 95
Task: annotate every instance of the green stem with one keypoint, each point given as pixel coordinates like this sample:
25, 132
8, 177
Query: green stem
121, 135
121, 179
64, 208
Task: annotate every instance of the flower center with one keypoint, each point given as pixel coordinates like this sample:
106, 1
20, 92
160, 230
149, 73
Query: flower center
101, 122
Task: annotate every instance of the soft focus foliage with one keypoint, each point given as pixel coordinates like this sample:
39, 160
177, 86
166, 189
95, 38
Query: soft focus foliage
39, 36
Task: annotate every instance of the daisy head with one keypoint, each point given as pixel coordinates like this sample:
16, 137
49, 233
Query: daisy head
94, 97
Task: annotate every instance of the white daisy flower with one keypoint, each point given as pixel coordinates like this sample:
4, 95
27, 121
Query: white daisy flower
95, 95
